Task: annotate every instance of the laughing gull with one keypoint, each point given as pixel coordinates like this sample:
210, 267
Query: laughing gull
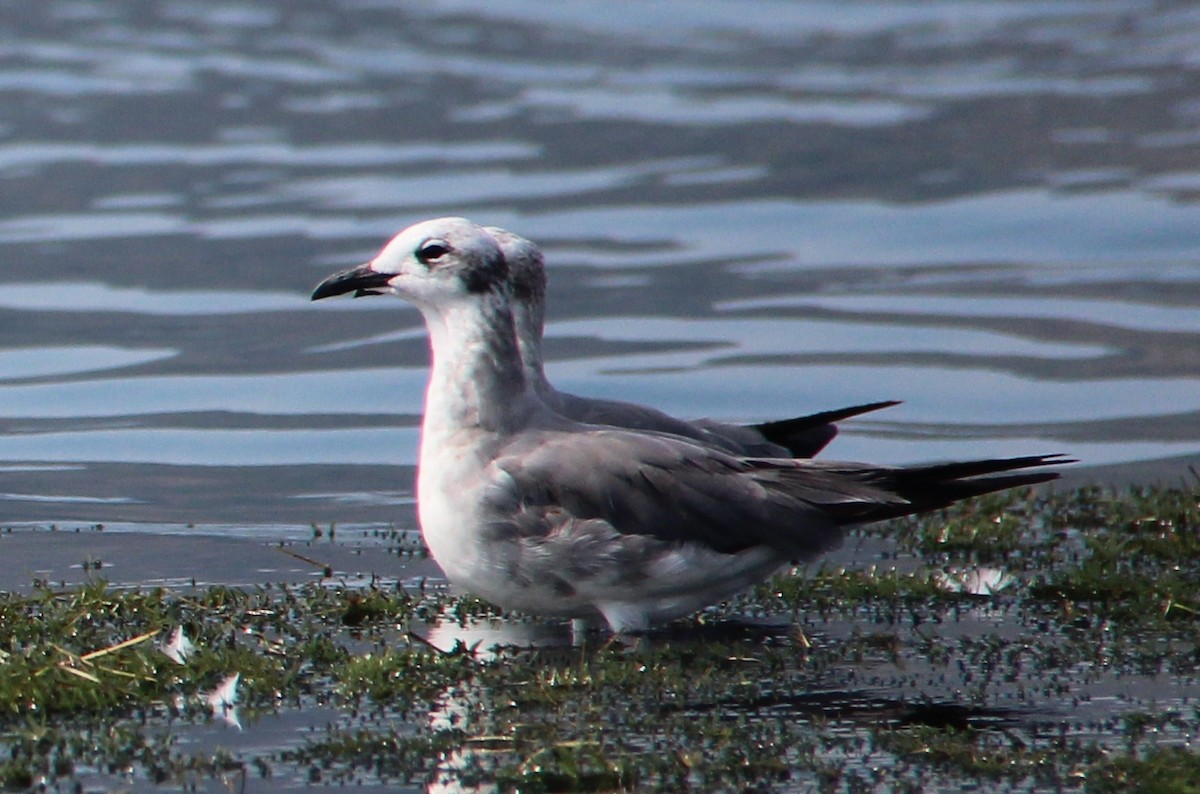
538, 513
800, 437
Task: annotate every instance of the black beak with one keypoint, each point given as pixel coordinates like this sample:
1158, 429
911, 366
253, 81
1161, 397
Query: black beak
361, 280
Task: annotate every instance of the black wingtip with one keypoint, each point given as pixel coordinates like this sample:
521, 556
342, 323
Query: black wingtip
940, 485
975, 468
805, 436
924, 488
781, 428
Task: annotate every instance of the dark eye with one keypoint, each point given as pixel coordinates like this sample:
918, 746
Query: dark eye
431, 251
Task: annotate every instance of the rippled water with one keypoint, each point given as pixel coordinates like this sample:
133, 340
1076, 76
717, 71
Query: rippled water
751, 210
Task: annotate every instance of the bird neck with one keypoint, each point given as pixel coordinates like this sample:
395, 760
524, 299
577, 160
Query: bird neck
477, 380
529, 324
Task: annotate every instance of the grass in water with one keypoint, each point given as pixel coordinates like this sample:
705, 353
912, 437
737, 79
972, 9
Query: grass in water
1072, 667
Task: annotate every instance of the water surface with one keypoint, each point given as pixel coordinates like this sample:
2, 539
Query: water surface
986, 210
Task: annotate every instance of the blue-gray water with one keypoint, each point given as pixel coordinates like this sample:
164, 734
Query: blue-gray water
751, 210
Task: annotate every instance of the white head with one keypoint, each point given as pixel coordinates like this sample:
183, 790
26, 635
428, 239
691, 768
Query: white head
456, 274
430, 264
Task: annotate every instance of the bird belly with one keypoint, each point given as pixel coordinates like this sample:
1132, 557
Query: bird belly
571, 567
634, 582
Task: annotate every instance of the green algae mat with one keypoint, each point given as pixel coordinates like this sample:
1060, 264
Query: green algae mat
1029, 642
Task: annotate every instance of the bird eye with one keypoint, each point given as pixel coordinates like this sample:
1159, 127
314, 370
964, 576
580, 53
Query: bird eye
431, 251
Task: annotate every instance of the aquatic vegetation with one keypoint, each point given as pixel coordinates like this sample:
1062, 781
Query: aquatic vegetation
1033, 652
986, 530
399, 676
1167, 770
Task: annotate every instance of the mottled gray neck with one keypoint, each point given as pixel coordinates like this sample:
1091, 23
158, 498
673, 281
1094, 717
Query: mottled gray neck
477, 379
529, 323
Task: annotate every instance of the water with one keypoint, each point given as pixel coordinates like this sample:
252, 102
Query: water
987, 210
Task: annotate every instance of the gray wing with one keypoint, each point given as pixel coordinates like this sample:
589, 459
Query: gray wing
798, 437
664, 487
631, 416
675, 491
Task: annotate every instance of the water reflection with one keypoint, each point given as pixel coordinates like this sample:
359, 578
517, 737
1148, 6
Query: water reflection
45, 361
1123, 314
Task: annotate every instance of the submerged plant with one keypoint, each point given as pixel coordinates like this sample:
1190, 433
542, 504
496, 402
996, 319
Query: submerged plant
965, 661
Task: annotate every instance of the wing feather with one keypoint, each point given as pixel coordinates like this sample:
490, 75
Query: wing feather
667, 488
662, 486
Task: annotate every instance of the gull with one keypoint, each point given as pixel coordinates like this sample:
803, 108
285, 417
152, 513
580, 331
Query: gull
538, 513
799, 437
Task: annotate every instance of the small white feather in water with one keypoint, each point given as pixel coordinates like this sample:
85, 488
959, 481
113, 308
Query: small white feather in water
974, 581
223, 700
179, 648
